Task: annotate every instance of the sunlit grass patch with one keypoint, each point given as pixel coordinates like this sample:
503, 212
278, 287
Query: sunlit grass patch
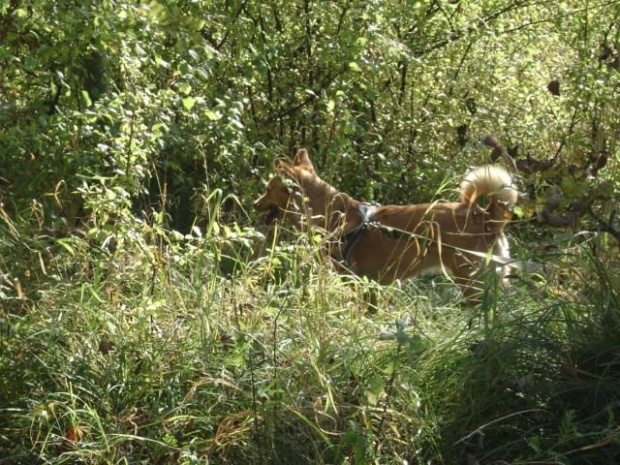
158, 351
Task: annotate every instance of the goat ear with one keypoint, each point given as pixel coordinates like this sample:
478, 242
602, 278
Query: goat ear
302, 159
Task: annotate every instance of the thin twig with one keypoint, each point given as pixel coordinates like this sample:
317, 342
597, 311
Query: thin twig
255, 407
275, 367
481, 23
497, 420
388, 395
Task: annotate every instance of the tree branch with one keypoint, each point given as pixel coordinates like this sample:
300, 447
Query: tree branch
311, 96
606, 225
480, 24
209, 38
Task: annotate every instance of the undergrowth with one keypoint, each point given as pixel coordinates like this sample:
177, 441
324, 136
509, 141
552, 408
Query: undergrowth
142, 345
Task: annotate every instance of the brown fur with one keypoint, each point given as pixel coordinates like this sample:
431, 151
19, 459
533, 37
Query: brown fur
403, 241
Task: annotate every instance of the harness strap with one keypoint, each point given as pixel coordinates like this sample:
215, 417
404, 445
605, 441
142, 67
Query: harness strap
351, 238
396, 233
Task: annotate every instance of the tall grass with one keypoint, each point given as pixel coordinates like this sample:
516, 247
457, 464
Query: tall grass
198, 349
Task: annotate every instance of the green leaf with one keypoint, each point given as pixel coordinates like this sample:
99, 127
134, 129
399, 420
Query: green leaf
237, 123
534, 443
518, 211
185, 88
65, 245
330, 106
161, 62
390, 367
87, 101
189, 102
376, 390
213, 115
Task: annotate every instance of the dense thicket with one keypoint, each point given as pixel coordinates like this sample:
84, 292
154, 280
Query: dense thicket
133, 139
391, 97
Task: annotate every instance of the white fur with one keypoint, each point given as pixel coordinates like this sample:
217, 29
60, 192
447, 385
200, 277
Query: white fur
489, 180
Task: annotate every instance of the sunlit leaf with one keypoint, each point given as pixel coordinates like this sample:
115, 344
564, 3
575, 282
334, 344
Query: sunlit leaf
189, 102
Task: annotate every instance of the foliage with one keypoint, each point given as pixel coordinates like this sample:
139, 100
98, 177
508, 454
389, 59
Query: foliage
143, 316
